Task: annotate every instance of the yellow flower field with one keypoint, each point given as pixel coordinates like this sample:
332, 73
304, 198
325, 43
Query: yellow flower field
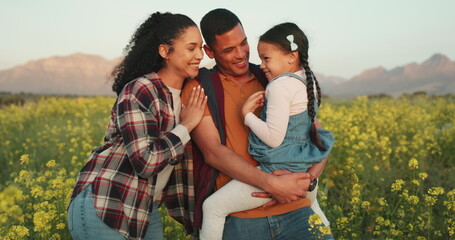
390, 176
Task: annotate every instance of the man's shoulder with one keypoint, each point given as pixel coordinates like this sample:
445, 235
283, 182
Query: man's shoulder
190, 83
206, 72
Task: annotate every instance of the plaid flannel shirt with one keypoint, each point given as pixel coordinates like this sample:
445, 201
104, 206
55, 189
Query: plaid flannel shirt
137, 146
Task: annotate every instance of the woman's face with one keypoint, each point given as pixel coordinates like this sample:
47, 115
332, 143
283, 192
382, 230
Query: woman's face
187, 53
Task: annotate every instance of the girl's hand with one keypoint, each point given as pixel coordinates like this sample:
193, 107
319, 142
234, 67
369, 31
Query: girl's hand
254, 101
191, 115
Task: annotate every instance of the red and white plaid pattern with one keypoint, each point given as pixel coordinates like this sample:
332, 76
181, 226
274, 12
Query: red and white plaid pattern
137, 146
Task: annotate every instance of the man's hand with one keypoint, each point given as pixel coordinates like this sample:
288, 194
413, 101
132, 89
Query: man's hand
285, 187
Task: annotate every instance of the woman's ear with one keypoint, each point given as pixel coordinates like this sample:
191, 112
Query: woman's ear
163, 50
293, 57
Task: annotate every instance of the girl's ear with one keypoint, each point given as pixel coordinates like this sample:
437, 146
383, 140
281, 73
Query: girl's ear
293, 57
163, 50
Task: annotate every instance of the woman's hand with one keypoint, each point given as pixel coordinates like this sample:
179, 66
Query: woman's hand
191, 115
254, 101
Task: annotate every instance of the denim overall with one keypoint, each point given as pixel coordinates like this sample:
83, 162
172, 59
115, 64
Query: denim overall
297, 153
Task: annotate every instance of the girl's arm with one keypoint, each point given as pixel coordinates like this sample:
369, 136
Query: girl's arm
273, 130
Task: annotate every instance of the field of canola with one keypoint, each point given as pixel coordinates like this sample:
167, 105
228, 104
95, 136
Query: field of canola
390, 176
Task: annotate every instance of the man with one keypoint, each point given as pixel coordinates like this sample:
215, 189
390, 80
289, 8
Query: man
222, 139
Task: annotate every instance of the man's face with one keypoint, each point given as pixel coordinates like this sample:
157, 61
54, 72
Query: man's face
231, 52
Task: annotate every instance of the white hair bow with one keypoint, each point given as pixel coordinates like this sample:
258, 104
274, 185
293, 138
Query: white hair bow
290, 38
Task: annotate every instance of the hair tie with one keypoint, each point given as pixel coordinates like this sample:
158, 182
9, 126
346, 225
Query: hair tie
290, 38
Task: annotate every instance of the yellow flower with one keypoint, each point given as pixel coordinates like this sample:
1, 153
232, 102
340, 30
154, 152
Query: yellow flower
355, 200
450, 205
50, 164
40, 179
24, 176
430, 200
382, 202
396, 186
451, 195
415, 182
410, 227
37, 191
325, 230
25, 159
405, 194
423, 175
365, 204
387, 222
61, 226
435, 191
413, 164
380, 220
17, 232
413, 199
41, 220
315, 220
56, 236
342, 220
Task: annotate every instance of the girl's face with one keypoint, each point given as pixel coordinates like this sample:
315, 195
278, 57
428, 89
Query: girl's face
275, 61
186, 54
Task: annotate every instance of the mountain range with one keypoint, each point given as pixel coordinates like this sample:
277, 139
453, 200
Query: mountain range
77, 74
435, 76
84, 74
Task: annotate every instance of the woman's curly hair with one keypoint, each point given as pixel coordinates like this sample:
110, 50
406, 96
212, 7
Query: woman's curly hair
141, 53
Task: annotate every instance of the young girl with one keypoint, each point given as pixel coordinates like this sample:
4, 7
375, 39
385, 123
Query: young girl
118, 191
284, 138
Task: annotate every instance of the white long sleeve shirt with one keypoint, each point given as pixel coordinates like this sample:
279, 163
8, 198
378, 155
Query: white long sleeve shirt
286, 96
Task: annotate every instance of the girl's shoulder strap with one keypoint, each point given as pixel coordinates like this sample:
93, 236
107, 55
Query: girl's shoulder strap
291, 75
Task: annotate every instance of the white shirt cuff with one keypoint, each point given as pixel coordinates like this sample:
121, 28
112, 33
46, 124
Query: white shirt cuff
181, 132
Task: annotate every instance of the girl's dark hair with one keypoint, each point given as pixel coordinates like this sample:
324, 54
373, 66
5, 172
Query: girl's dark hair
277, 35
217, 22
141, 53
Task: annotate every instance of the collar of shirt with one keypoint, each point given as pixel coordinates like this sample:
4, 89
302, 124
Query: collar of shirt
229, 78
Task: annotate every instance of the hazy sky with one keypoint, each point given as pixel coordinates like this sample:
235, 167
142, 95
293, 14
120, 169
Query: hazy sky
346, 36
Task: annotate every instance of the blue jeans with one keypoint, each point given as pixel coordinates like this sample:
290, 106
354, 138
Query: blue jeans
292, 225
84, 222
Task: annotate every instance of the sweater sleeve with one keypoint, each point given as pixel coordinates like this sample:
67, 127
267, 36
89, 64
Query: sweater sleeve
273, 130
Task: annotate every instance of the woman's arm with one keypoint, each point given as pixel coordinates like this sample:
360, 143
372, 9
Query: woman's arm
139, 120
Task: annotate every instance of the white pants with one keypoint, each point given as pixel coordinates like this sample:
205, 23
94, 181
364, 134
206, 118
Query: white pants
234, 197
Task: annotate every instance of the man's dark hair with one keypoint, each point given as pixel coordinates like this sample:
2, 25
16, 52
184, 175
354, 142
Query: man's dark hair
217, 22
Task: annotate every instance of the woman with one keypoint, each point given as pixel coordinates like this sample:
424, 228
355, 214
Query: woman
117, 190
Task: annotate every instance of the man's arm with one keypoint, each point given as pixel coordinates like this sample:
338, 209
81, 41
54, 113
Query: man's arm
283, 188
